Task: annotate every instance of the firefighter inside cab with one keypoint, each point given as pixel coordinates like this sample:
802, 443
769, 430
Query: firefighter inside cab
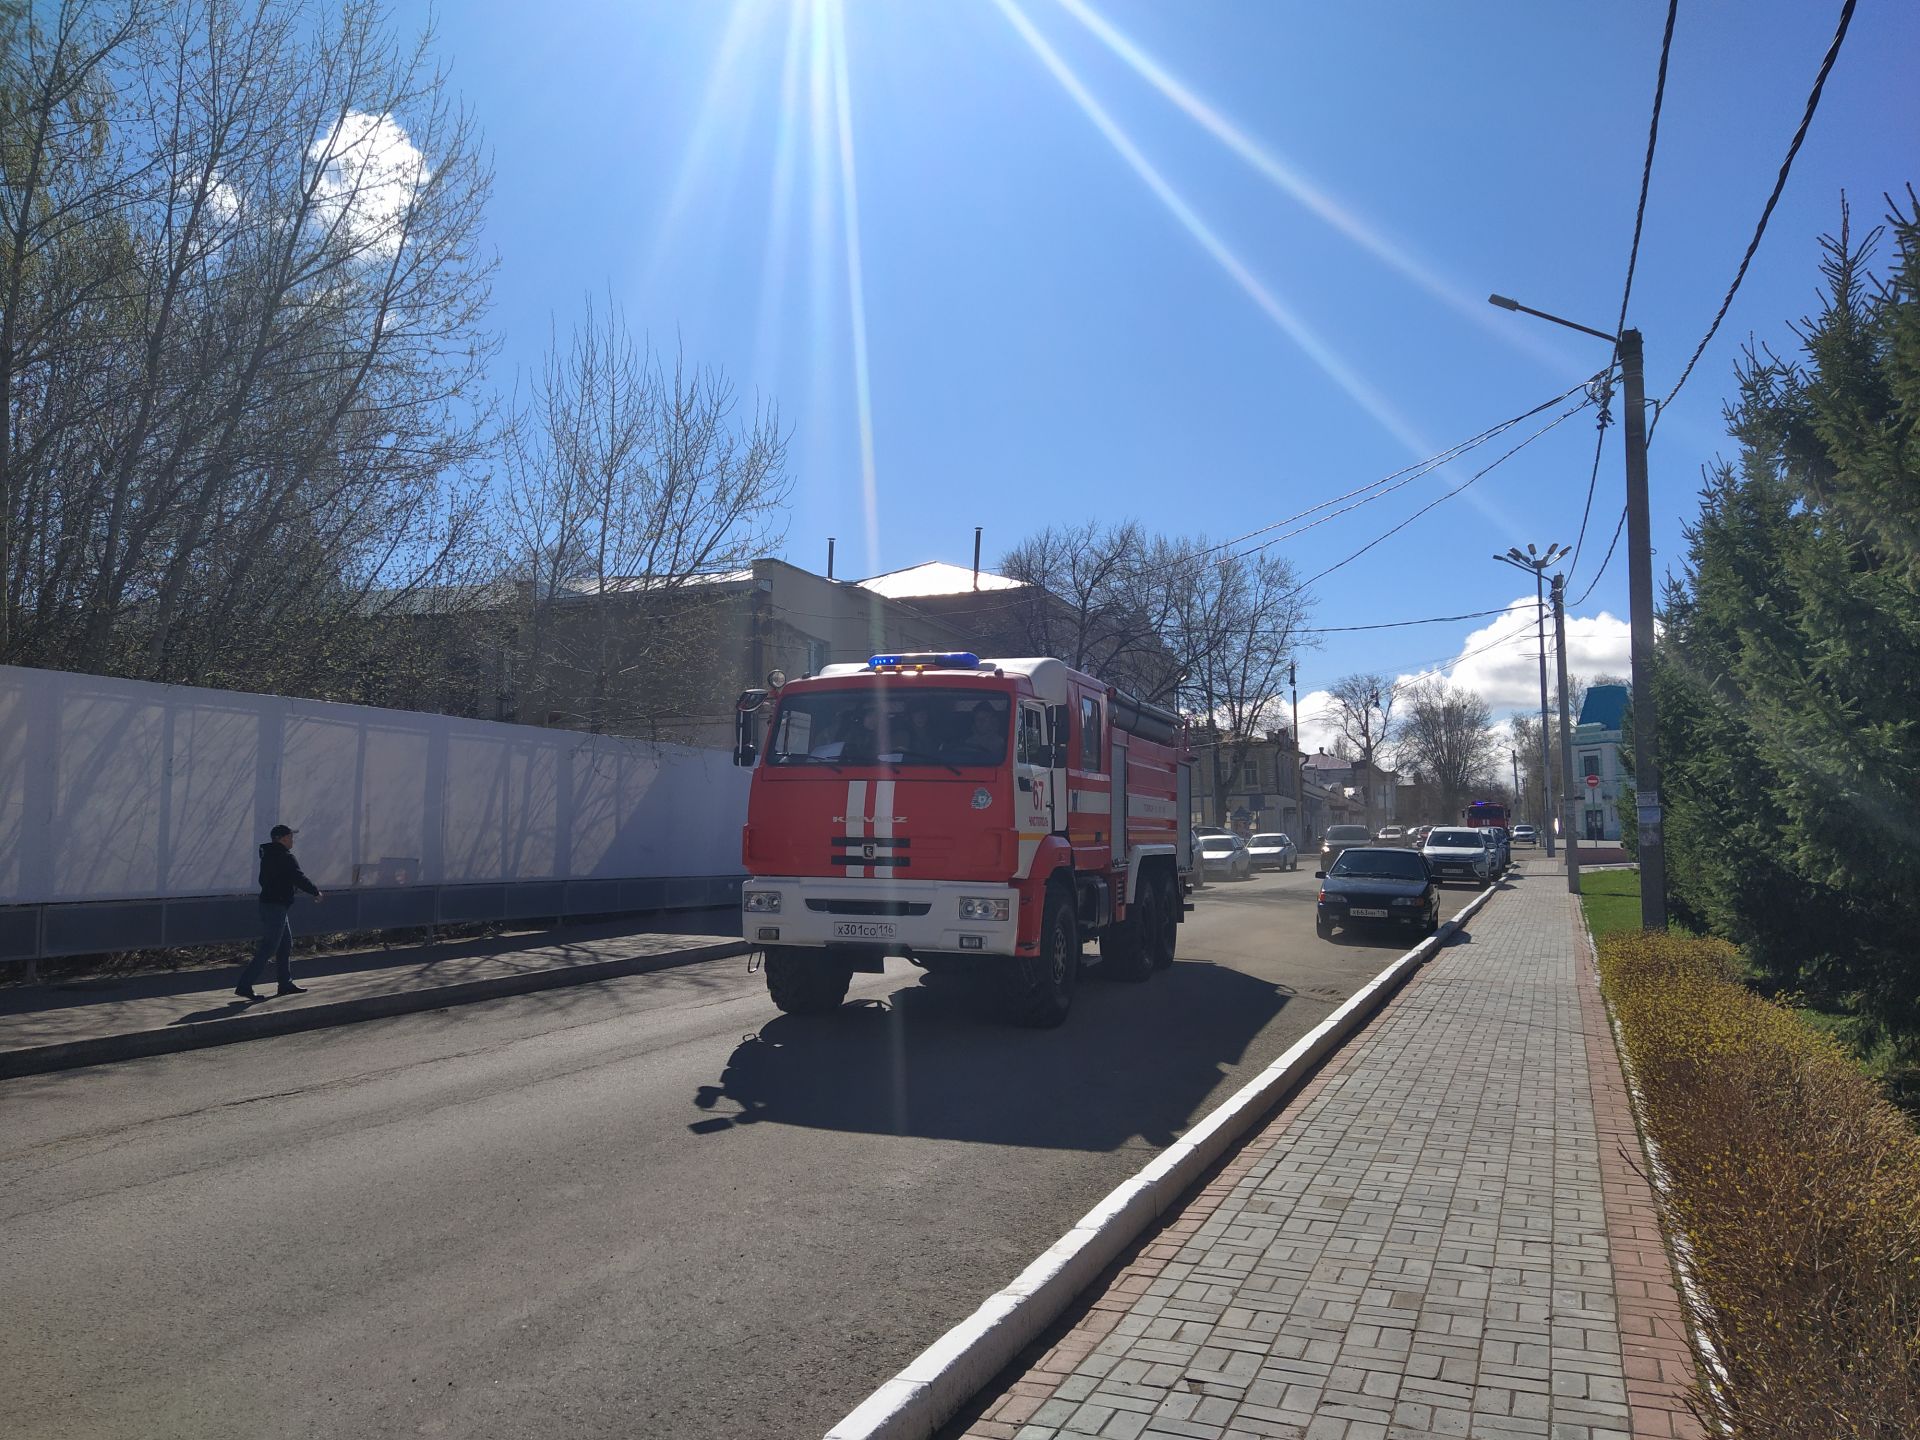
991, 815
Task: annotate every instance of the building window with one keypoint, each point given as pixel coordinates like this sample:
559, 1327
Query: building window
1590, 765
819, 656
1250, 776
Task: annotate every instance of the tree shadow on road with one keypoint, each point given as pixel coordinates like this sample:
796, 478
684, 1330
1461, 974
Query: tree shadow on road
935, 1060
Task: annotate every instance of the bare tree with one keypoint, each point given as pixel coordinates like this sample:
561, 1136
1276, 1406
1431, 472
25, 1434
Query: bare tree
1235, 626
1360, 709
1444, 738
628, 484
1099, 600
1175, 620
243, 409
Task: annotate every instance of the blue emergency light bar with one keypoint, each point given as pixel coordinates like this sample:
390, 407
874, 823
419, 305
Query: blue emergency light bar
957, 660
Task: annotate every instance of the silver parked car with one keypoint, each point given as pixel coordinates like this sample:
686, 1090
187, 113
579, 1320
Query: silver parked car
1224, 857
1459, 854
1272, 850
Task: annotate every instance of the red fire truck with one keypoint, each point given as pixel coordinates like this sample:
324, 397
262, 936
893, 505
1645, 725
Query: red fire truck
960, 812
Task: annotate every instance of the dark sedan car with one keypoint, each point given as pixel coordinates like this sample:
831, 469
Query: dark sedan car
1374, 885
1339, 838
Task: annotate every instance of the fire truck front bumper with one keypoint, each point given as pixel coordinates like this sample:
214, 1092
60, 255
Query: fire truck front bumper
882, 917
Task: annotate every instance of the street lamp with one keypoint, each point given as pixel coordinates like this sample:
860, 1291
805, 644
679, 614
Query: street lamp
1646, 736
1537, 563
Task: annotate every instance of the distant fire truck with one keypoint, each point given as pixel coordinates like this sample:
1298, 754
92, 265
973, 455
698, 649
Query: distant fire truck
960, 812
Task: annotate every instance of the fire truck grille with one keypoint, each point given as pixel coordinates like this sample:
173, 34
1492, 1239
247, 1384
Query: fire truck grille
879, 851
868, 907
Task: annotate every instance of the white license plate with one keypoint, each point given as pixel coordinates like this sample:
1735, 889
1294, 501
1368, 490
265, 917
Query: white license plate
861, 930
1369, 914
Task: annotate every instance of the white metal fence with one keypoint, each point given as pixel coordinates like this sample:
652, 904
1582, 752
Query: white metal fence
123, 791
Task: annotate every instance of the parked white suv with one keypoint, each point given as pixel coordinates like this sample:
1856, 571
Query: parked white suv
1459, 854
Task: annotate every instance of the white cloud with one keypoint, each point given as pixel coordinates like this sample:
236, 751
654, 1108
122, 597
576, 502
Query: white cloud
371, 171
223, 201
1499, 661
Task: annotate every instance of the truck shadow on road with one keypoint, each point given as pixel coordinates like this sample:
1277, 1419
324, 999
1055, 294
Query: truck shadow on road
1133, 1062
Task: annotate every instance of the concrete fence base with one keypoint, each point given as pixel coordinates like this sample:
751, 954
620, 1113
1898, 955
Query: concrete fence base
41, 932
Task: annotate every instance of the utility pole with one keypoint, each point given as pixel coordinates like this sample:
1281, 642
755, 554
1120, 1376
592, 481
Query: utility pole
1646, 728
1537, 563
1514, 756
1299, 790
1566, 739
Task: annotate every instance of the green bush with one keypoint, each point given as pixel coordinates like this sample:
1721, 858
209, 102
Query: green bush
1798, 1189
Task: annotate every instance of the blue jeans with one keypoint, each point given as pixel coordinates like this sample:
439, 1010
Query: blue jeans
276, 938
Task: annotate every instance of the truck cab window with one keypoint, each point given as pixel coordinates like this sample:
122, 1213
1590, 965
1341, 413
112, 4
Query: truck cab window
1033, 736
1092, 753
902, 729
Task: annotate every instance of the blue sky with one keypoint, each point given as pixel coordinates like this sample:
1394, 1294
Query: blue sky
1082, 297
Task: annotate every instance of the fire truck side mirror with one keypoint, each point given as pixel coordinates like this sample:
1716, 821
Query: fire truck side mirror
746, 727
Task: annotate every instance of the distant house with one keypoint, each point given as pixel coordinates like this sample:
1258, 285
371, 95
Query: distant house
1261, 788
1596, 752
1361, 796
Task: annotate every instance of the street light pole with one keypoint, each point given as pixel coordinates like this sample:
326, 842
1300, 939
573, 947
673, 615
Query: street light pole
1566, 740
1538, 563
1646, 725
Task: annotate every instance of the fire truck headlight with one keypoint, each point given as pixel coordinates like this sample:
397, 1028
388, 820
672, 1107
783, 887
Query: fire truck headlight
978, 907
761, 902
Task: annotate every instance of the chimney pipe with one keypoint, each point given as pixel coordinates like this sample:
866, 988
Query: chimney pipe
976, 557
829, 557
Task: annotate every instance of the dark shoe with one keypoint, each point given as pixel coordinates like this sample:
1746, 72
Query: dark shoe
291, 989
246, 992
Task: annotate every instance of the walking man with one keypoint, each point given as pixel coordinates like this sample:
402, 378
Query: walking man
280, 876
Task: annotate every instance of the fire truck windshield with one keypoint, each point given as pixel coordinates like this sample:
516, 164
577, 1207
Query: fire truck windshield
943, 728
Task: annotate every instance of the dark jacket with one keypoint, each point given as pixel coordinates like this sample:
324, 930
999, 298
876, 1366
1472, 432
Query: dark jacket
281, 875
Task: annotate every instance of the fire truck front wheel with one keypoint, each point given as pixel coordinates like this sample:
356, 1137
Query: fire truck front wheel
1042, 984
806, 982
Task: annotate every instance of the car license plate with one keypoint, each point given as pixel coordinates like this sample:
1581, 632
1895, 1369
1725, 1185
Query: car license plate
861, 930
1368, 914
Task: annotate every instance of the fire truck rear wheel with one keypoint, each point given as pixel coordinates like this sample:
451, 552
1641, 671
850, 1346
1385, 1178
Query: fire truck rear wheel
1123, 948
1163, 928
807, 982
1043, 983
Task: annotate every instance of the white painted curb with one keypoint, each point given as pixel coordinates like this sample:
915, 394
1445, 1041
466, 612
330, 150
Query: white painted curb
943, 1377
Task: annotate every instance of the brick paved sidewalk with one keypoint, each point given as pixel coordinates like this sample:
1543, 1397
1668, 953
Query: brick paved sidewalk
1444, 1234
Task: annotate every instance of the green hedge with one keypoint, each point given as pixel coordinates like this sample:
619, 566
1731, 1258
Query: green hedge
1797, 1186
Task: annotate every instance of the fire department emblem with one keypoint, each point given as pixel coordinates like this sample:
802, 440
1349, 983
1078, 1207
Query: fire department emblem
868, 850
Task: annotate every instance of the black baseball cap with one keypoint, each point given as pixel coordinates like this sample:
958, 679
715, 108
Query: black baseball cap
279, 830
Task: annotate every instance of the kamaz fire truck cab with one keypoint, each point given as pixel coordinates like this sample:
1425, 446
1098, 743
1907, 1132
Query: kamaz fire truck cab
990, 814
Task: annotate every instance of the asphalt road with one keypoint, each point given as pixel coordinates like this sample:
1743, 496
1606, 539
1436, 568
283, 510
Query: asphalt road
648, 1207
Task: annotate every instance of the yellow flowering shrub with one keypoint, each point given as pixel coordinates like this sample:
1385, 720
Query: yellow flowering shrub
1797, 1187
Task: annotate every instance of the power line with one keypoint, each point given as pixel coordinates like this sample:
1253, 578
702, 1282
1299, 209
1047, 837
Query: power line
1410, 472
1608, 560
1024, 595
1779, 185
1633, 262
1646, 168
1558, 420
1399, 624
